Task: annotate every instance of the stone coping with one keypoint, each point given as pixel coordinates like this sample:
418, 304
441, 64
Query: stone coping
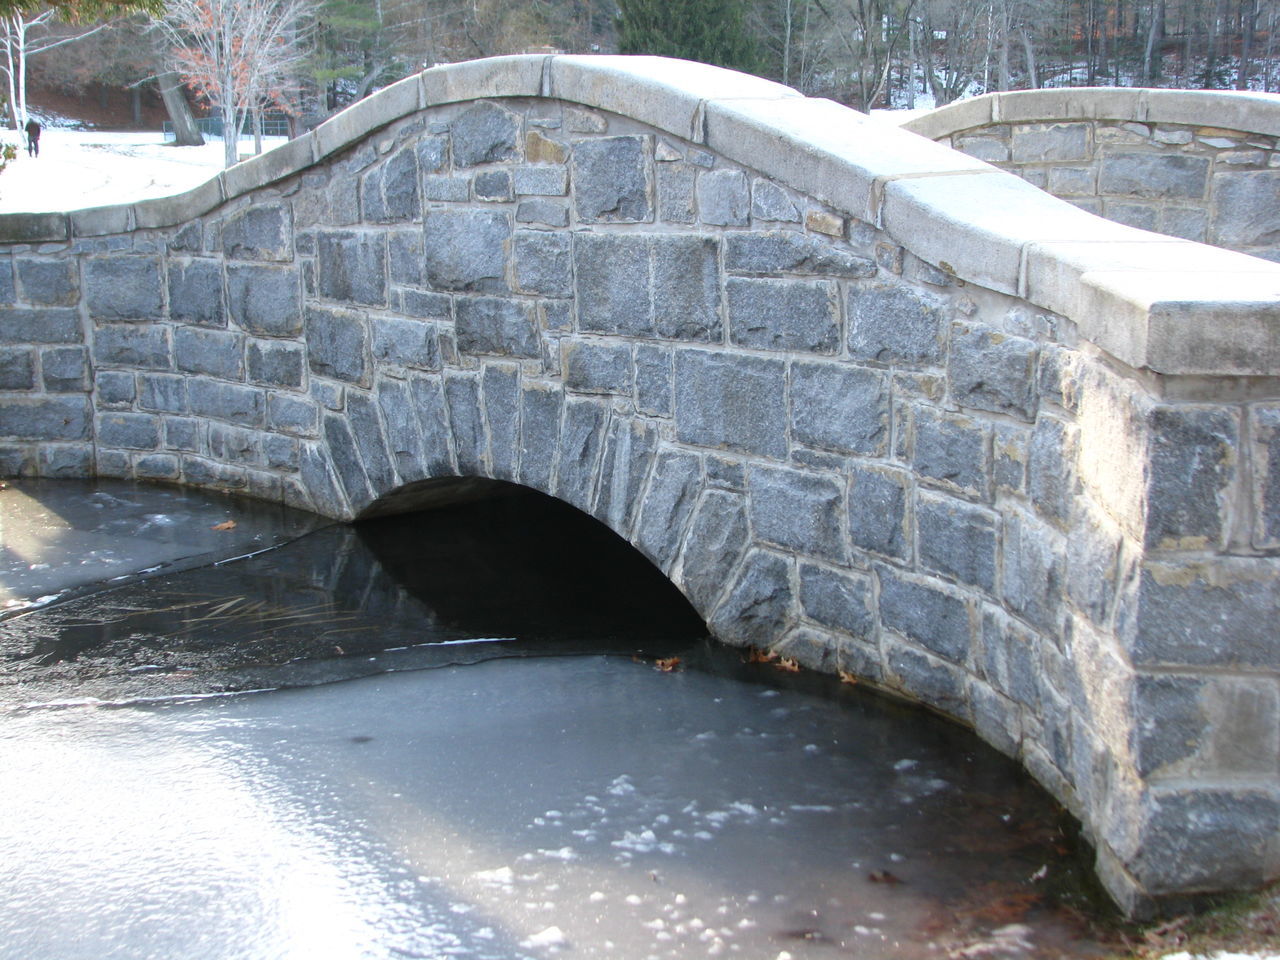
1245, 111
1171, 306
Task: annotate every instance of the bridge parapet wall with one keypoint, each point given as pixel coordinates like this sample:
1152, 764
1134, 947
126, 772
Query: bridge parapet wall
858, 412
1196, 164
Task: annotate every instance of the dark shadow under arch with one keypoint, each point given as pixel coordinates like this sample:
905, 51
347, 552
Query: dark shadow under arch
498, 559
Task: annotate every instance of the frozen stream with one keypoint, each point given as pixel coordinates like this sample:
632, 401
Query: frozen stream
522, 804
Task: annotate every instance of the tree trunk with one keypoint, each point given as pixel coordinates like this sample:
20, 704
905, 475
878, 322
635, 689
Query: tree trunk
11, 75
1248, 25
1155, 31
1029, 50
186, 132
135, 105
21, 43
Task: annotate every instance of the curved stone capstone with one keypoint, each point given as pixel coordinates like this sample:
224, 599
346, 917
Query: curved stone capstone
1195, 164
865, 400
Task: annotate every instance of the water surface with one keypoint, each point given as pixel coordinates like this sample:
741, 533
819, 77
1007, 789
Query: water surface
467, 748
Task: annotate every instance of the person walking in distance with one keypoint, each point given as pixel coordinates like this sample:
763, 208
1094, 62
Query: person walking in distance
33, 138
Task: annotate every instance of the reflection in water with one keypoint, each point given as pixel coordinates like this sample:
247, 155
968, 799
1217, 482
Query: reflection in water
587, 805
525, 569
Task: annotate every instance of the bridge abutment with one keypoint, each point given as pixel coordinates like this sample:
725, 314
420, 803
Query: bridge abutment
855, 410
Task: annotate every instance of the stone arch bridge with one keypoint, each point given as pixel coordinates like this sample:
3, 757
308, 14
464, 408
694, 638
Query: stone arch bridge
863, 398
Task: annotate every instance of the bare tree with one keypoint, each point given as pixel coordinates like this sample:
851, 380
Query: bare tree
237, 54
20, 44
871, 33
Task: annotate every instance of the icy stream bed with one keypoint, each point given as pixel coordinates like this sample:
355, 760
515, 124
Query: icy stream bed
520, 807
468, 748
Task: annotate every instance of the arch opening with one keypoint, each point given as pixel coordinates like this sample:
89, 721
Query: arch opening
490, 558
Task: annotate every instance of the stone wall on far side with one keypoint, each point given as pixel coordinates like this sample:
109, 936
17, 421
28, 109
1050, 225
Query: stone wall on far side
1142, 160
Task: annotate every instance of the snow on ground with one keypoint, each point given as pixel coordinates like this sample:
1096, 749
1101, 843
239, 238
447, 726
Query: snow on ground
91, 168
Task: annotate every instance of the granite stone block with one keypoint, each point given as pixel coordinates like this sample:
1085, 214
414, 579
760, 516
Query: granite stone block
214, 353
336, 344
878, 500
956, 539
124, 288
798, 511
543, 263
926, 613
989, 370
611, 180
724, 198
45, 283
838, 407
467, 249
666, 506
131, 345
596, 367
259, 232
497, 326
540, 408
352, 266
195, 292
760, 605
729, 402
485, 133
799, 315
894, 324
275, 364
838, 599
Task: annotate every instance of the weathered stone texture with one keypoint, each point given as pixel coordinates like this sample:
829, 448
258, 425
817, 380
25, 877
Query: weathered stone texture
611, 180
836, 449
835, 406
262, 232
265, 300
466, 249
715, 543
723, 198
798, 511
49, 283
760, 604
731, 402
933, 617
494, 325
215, 353
892, 323
484, 133
132, 345
124, 288
543, 263
783, 314
667, 505
336, 344
591, 367
989, 370
1050, 142
352, 267
501, 388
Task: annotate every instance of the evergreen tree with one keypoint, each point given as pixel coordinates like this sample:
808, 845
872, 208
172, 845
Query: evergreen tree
711, 31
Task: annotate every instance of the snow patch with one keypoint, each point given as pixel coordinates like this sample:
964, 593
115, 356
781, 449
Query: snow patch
502, 876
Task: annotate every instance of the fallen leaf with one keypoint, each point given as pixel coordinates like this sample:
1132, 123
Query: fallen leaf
668, 665
788, 664
756, 655
883, 876
224, 525
847, 677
